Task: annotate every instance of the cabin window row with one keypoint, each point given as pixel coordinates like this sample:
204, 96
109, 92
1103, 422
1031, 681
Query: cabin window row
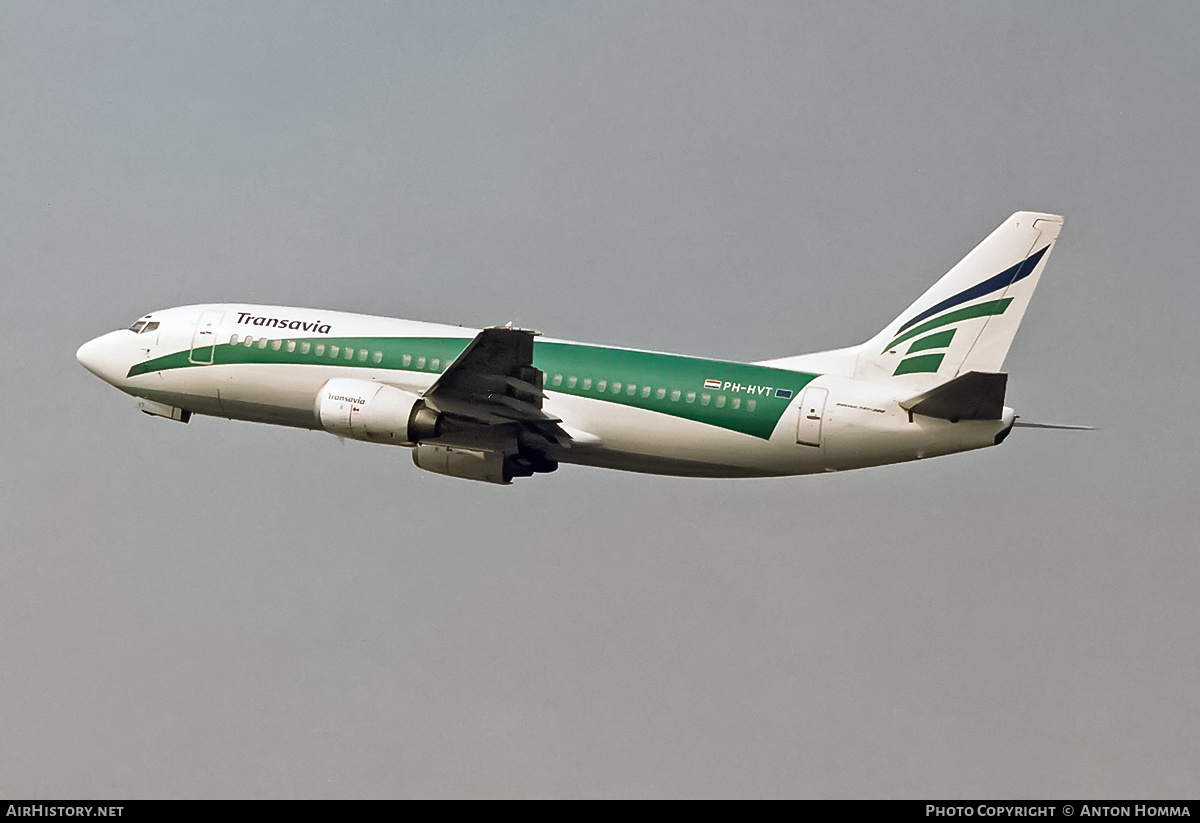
335, 352
632, 390
571, 381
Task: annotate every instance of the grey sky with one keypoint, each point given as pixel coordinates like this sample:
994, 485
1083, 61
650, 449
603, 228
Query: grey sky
233, 610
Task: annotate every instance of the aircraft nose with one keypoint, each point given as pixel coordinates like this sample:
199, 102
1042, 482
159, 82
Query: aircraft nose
103, 357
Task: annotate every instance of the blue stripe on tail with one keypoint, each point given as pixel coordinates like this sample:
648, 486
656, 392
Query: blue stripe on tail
1002, 280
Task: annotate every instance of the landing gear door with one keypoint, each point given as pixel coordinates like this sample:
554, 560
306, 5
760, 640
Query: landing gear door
204, 340
812, 412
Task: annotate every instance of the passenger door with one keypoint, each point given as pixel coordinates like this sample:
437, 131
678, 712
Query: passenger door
204, 340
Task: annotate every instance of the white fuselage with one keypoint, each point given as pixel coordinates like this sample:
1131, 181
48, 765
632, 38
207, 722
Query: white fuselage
632, 410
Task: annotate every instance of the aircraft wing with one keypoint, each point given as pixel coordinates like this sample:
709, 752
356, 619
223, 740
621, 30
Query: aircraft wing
494, 374
491, 398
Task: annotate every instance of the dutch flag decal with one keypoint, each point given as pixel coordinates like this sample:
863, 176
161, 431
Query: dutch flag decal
712, 384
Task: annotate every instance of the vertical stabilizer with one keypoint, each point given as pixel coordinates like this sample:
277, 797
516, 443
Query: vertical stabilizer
967, 320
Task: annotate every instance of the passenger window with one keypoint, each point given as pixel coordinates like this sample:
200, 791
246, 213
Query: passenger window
320, 352
616, 387
304, 347
262, 344
333, 351
587, 383
645, 391
557, 381
660, 394
705, 398
378, 357
233, 341
249, 341
571, 381
750, 404
601, 385
631, 390
406, 360
349, 354
737, 403
674, 395
420, 362
276, 344
691, 397
435, 363
291, 345
720, 401
362, 355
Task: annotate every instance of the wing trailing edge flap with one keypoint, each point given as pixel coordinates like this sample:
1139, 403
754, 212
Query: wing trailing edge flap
494, 384
971, 396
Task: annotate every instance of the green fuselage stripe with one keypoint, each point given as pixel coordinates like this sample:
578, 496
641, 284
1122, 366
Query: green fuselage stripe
675, 383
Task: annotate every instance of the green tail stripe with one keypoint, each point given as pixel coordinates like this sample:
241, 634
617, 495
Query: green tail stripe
934, 341
920, 363
987, 309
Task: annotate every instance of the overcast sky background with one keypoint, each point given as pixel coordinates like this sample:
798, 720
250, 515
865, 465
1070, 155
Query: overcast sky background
236, 610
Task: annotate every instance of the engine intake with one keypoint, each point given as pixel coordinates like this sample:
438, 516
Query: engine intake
375, 412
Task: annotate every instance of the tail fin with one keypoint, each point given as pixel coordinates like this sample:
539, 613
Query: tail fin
967, 320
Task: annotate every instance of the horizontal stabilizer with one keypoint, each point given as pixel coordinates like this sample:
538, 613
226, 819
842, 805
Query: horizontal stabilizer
971, 396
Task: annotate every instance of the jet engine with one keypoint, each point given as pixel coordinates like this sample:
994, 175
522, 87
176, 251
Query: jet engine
470, 464
375, 412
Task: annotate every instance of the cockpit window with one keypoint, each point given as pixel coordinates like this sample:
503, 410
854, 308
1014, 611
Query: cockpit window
149, 327
137, 327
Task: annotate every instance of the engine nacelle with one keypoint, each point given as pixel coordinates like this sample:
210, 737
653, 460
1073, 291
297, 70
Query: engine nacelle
375, 412
470, 464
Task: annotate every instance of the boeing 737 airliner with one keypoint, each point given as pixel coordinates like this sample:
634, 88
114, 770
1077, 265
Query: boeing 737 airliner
498, 403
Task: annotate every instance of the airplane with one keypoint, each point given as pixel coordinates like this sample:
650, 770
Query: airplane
498, 403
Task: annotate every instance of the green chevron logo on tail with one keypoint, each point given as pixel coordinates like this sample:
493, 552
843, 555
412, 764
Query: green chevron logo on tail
931, 362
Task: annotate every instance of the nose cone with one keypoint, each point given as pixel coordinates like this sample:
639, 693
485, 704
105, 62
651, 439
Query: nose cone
106, 356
